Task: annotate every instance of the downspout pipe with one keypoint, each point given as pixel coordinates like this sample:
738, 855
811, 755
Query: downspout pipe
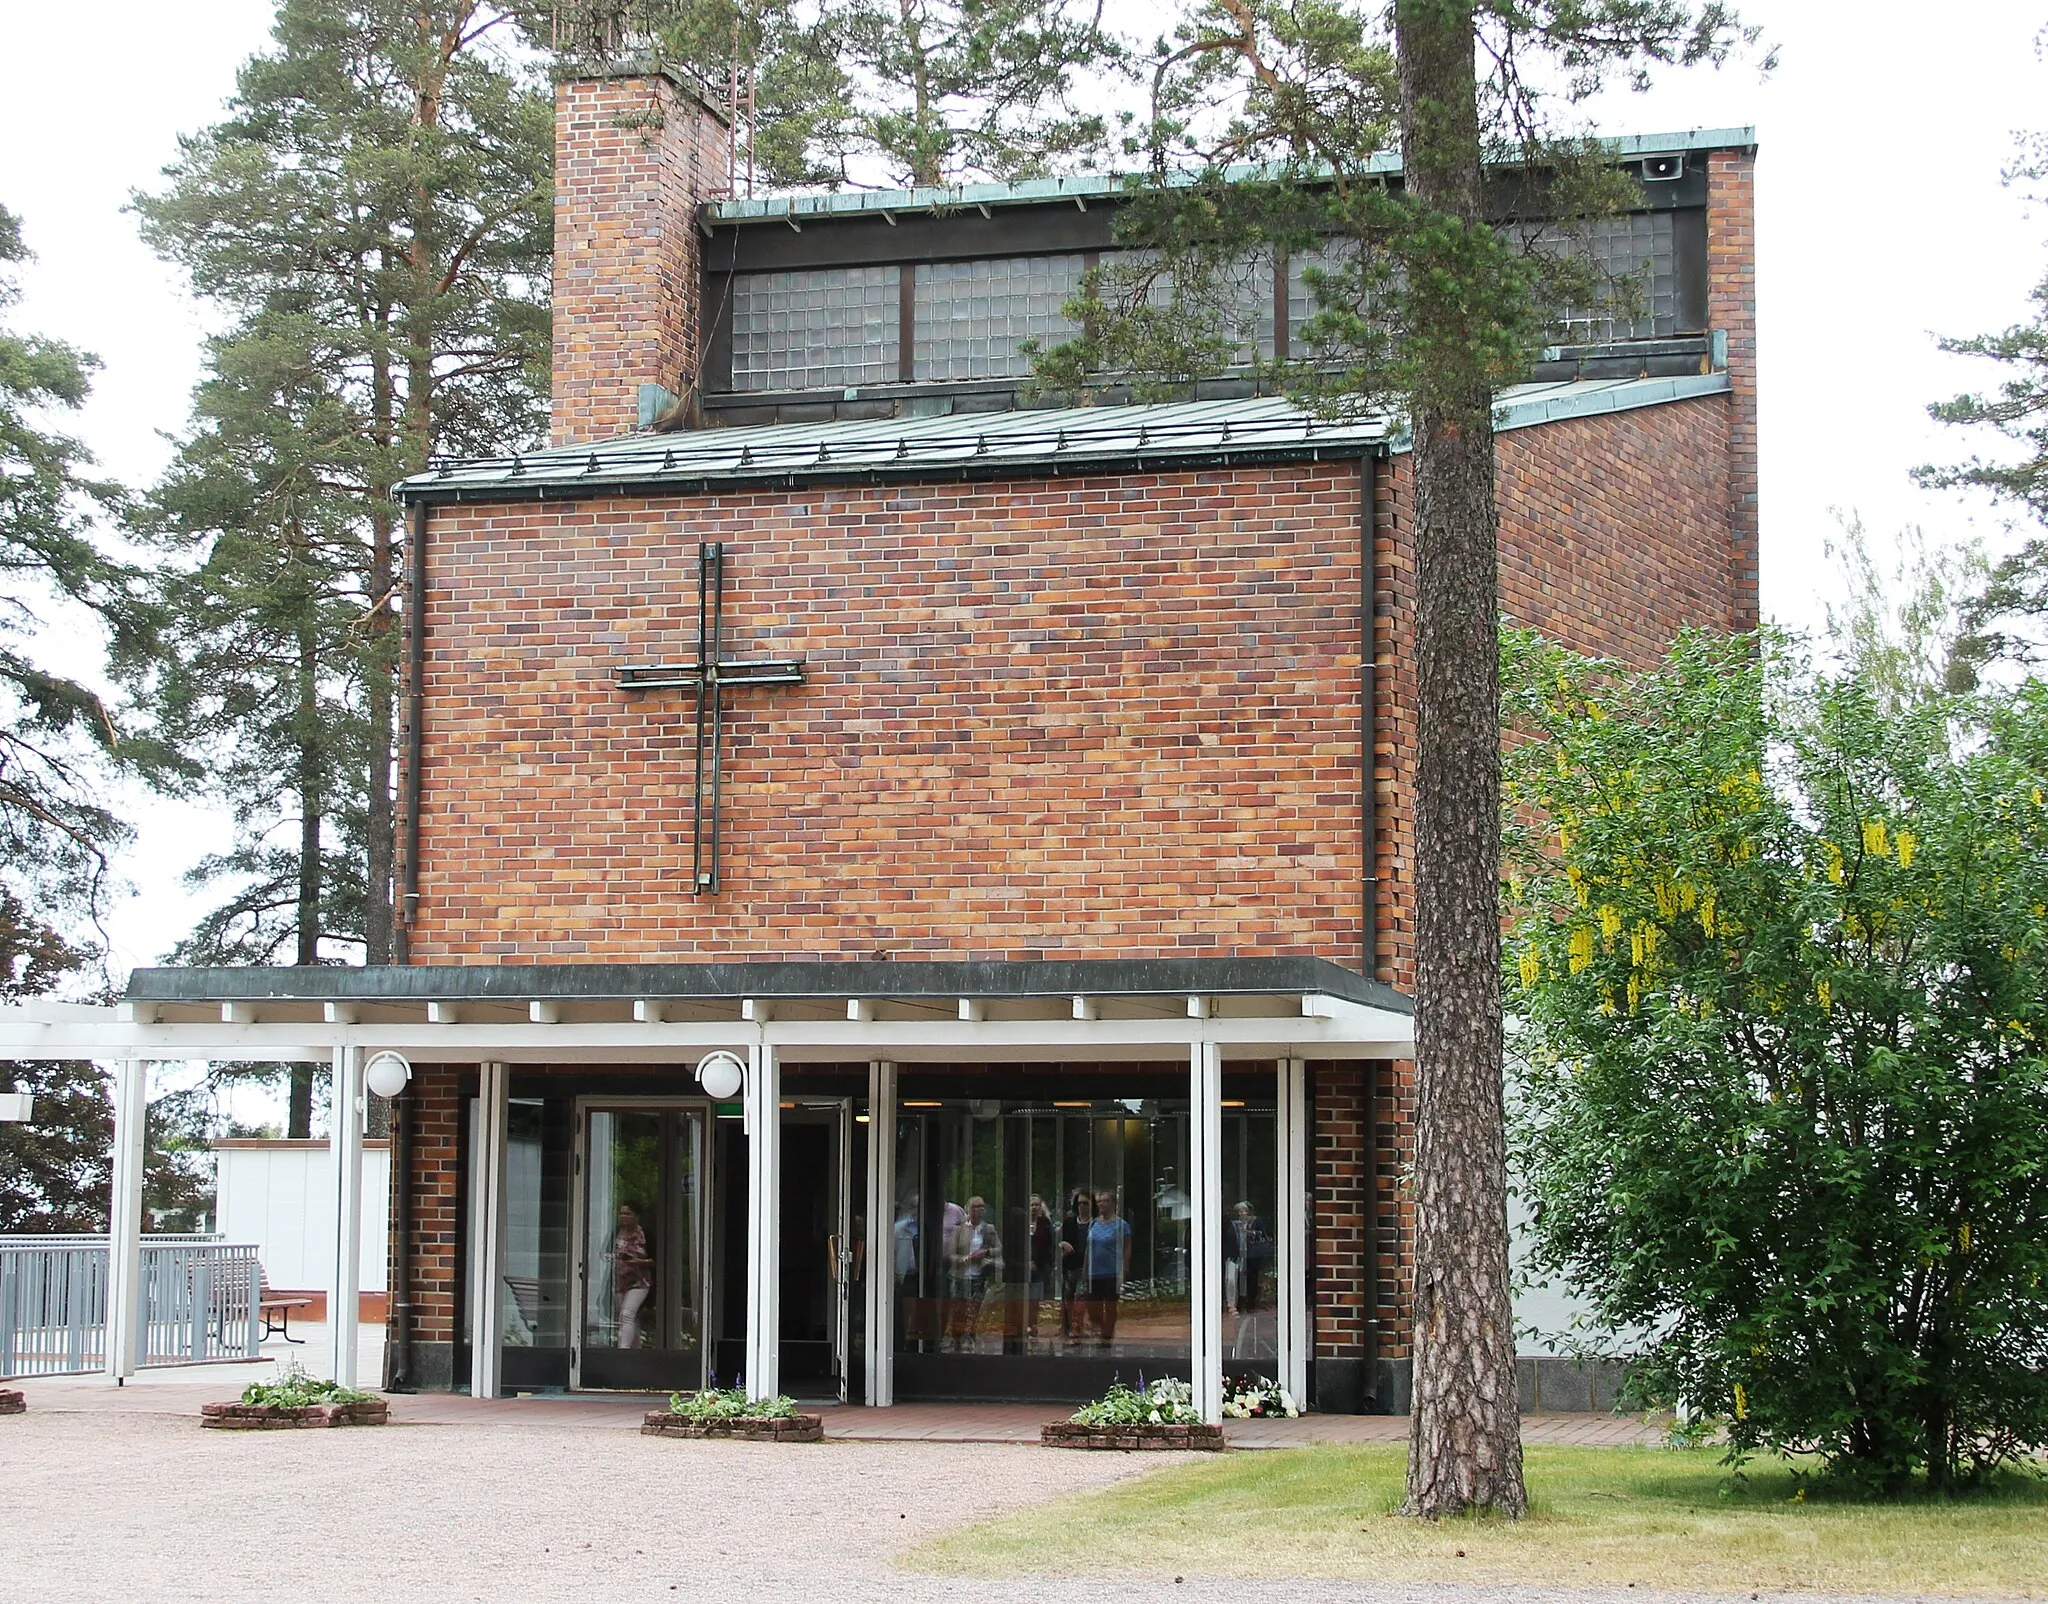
415, 718
398, 1376
1369, 1400
398, 1369
1369, 647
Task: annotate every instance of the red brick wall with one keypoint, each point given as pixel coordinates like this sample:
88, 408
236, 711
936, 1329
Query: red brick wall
1340, 1163
1731, 308
1075, 716
634, 156
435, 1248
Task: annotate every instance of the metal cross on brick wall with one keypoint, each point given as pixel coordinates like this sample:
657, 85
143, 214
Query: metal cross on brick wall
710, 676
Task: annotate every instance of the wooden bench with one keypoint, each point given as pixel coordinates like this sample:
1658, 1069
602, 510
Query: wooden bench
276, 1309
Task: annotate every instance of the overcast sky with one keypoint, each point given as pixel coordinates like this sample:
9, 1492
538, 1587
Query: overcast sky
1881, 223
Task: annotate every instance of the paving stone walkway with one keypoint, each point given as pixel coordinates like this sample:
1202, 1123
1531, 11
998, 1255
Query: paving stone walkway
181, 1391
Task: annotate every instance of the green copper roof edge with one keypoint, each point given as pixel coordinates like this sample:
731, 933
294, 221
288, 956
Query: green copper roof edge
1164, 438
1086, 186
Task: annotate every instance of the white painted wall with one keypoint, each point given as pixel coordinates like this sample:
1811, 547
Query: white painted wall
280, 1195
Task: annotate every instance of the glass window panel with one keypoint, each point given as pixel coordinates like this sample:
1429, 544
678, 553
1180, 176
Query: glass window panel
821, 328
1250, 1226
1028, 1229
1635, 252
625, 1227
973, 316
1248, 294
535, 1254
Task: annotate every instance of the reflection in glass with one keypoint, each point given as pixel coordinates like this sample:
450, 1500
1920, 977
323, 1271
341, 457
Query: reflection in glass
536, 1229
1251, 1290
624, 1223
1062, 1228
641, 1243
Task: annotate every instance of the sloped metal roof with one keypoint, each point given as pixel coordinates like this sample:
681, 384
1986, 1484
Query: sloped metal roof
1014, 444
1084, 187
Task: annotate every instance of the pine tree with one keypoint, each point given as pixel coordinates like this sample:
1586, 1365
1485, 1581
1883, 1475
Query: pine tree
906, 92
375, 216
1266, 115
2006, 616
55, 733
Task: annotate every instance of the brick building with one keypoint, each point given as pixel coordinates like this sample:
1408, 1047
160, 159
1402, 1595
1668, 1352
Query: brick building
1015, 801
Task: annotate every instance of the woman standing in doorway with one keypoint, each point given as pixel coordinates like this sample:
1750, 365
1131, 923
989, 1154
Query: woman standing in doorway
632, 1274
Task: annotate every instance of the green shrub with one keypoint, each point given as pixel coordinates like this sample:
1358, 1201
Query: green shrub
1779, 960
729, 1403
1165, 1402
294, 1389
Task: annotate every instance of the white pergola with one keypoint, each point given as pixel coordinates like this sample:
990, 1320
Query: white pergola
1203, 1012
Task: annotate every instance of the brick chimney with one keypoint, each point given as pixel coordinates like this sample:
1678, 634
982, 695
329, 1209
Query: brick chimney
636, 153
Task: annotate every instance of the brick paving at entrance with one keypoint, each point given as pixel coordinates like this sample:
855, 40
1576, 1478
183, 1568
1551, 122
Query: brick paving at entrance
181, 1393
181, 1390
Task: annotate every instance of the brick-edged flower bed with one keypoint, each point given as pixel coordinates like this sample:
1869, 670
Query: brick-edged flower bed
1159, 1416
12, 1403
1137, 1435
281, 1417
783, 1428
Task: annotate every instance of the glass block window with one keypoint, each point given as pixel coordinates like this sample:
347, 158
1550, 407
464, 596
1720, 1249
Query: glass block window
1636, 255
1250, 285
1333, 257
972, 316
822, 328
1301, 300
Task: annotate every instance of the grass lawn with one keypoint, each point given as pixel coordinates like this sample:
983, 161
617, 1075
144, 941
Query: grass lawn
1600, 1516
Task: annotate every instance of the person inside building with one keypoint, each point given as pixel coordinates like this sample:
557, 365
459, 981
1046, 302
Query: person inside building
632, 1274
1041, 1262
977, 1255
1109, 1264
1074, 1264
1247, 1254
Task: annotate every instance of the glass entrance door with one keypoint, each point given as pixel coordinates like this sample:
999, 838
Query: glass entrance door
818, 1265
642, 1248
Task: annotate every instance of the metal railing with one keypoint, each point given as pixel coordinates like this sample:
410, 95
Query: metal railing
200, 1303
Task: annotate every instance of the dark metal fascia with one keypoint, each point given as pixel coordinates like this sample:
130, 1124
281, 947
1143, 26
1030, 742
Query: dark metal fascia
827, 978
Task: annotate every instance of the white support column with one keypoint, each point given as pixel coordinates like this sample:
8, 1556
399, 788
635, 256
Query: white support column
124, 1220
1205, 1202
1291, 1248
881, 1244
344, 1275
487, 1232
764, 1221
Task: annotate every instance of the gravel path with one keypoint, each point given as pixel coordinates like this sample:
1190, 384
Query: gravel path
145, 1507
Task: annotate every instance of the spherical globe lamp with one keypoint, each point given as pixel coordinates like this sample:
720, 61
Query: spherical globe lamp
721, 1075
387, 1073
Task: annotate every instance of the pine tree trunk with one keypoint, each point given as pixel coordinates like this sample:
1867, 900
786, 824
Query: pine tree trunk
379, 829
1465, 1449
299, 1113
